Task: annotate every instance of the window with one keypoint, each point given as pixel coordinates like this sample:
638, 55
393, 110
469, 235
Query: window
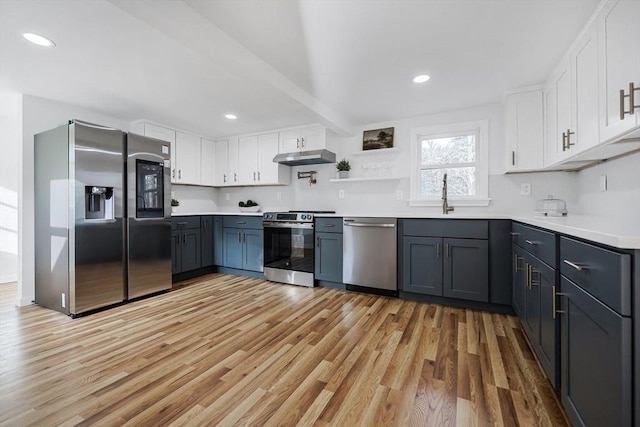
457, 150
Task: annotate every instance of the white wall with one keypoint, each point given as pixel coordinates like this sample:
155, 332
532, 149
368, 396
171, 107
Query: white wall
10, 173
194, 199
379, 197
39, 115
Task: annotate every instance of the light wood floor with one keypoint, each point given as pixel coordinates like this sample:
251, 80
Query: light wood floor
236, 351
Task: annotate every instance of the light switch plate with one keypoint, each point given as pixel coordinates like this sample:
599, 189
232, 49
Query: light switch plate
525, 189
226, 196
603, 182
399, 195
340, 194
279, 195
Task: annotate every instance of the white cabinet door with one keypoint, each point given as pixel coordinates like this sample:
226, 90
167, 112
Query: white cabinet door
619, 31
187, 158
524, 130
314, 138
165, 134
268, 171
233, 161
248, 160
290, 141
222, 163
558, 103
207, 162
584, 69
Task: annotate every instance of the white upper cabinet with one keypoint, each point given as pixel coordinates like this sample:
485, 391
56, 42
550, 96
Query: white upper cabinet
207, 162
558, 103
524, 130
221, 169
270, 173
619, 29
248, 160
303, 139
187, 159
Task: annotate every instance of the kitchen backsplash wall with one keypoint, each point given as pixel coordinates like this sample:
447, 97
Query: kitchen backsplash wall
194, 198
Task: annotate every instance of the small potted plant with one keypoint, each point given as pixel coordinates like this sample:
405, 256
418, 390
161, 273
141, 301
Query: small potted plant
343, 167
174, 203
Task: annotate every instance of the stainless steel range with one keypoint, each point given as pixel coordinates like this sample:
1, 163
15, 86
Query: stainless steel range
289, 247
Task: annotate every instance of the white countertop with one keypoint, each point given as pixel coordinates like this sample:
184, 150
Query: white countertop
616, 233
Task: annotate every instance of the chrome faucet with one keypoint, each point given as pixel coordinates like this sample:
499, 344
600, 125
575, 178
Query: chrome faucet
445, 203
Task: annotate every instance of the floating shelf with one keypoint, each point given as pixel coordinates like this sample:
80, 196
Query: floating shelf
376, 152
364, 179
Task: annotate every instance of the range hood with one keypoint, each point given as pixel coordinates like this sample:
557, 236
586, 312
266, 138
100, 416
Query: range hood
301, 158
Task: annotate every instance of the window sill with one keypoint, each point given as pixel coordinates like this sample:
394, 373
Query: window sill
452, 202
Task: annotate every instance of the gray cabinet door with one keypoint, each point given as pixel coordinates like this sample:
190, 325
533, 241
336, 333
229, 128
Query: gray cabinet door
232, 247
544, 277
176, 253
218, 238
596, 361
328, 257
253, 253
519, 279
422, 265
466, 269
206, 231
531, 314
191, 247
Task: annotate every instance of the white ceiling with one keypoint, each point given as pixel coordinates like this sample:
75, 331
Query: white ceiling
279, 63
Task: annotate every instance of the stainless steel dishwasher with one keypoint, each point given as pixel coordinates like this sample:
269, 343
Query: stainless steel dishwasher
369, 253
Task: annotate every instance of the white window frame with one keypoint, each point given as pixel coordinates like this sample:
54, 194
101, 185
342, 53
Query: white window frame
481, 129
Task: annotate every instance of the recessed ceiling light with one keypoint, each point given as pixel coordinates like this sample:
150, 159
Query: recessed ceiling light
231, 116
39, 40
421, 78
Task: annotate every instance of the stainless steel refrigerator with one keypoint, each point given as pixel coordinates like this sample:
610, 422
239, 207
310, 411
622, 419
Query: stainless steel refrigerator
82, 248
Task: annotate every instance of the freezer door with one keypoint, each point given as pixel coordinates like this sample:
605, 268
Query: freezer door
148, 216
97, 256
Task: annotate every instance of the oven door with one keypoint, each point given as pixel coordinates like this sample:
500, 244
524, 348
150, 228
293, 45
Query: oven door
288, 246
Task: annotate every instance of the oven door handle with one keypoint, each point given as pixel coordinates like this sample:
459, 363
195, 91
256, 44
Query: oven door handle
308, 226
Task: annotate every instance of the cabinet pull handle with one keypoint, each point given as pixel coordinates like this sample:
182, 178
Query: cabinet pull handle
564, 142
437, 250
513, 158
179, 173
448, 247
258, 175
184, 239
516, 258
298, 143
531, 282
302, 140
235, 177
205, 225
224, 177
532, 242
239, 238
569, 143
241, 222
577, 266
254, 176
555, 294
513, 233
528, 276
318, 242
328, 225
173, 173
631, 97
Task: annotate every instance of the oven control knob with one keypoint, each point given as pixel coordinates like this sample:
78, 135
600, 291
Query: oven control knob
303, 216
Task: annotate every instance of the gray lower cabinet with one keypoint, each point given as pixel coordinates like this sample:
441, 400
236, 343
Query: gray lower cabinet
243, 248
218, 239
597, 339
455, 268
534, 289
186, 244
328, 257
207, 237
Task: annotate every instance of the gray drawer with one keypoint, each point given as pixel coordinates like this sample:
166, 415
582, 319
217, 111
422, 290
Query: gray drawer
254, 222
541, 244
183, 222
517, 233
328, 225
603, 273
455, 228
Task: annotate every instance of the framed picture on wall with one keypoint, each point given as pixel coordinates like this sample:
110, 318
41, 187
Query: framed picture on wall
377, 138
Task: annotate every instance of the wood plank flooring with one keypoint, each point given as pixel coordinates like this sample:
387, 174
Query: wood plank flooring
227, 350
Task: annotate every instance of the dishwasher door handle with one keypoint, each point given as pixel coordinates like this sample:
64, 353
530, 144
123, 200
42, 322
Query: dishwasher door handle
364, 224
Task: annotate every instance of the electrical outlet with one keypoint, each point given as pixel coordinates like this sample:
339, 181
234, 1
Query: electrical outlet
340, 194
279, 195
64, 301
603, 182
525, 189
226, 196
399, 195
